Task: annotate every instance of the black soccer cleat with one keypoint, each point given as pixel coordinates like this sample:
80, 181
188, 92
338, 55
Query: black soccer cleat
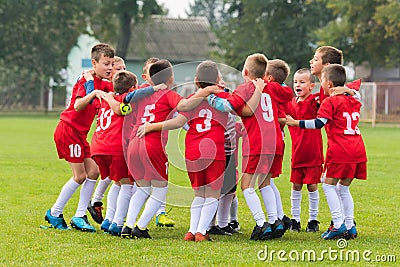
296, 226
216, 230
261, 233
312, 226
287, 222
96, 211
137, 233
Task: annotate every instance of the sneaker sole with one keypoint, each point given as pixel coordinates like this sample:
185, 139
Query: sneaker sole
82, 229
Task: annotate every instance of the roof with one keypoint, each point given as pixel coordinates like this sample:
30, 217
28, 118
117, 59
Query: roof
175, 39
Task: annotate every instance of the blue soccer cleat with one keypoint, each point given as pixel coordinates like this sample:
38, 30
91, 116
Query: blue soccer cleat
351, 233
336, 233
327, 230
56, 222
105, 225
114, 229
82, 224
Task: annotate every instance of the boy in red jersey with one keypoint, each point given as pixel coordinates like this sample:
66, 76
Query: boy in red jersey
146, 157
257, 148
96, 205
107, 147
307, 150
278, 71
70, 138
345, 157
204, 152
325, 55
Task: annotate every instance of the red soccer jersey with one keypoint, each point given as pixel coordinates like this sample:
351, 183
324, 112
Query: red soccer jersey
307, 148
155, 108
345, 144
262, 126
206, 135
107, 139
83, 119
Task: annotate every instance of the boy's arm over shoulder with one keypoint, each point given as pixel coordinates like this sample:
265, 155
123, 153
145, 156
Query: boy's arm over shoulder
282, 93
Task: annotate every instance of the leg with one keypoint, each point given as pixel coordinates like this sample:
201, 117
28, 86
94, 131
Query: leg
296, 206
313, 201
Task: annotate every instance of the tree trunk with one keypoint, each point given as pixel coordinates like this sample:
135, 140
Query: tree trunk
124, 35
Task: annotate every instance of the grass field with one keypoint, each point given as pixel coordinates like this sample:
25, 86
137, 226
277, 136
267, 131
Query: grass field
31, 177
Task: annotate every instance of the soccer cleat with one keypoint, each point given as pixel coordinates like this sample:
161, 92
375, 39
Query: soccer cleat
189, 237
278, 229
114, 229
163, 220
312, 226
336, 233
296, 226
96, 211
138, 233
56, 222
287, 222
126, 232
82, 224
105, 225
216, 230
261, 233
199, 237
351, 233
228, 229
327, 230
235, 225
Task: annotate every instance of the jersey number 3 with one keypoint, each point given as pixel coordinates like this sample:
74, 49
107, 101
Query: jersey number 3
206, 126
349, 121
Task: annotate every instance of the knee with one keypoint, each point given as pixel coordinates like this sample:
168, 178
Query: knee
297, 187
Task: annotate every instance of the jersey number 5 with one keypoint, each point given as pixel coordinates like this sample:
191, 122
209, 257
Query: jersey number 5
207, 115
349, 119
148, 116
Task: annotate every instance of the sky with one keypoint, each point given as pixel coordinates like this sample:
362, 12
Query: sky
176, 7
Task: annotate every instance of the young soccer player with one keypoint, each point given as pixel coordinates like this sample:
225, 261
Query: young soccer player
307, 150
324, 56
95, 206
107, 149
257, 148
70, 138
146, 157
162, 218
277, 72
345, 157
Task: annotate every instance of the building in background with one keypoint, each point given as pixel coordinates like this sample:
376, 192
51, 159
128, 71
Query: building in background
183, 41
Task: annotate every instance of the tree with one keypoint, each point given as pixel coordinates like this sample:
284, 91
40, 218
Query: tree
121, 15
36, 37
366, 30
279, 29
213, 10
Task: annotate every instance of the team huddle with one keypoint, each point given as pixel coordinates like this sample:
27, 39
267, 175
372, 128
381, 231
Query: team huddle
128, 146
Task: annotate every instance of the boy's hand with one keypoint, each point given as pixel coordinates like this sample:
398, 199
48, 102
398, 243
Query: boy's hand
99, 94
259, 84
143, 129
88, 75
341, 90
160, 86
290, 121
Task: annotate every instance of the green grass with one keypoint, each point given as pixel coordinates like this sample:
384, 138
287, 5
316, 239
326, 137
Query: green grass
31, 177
